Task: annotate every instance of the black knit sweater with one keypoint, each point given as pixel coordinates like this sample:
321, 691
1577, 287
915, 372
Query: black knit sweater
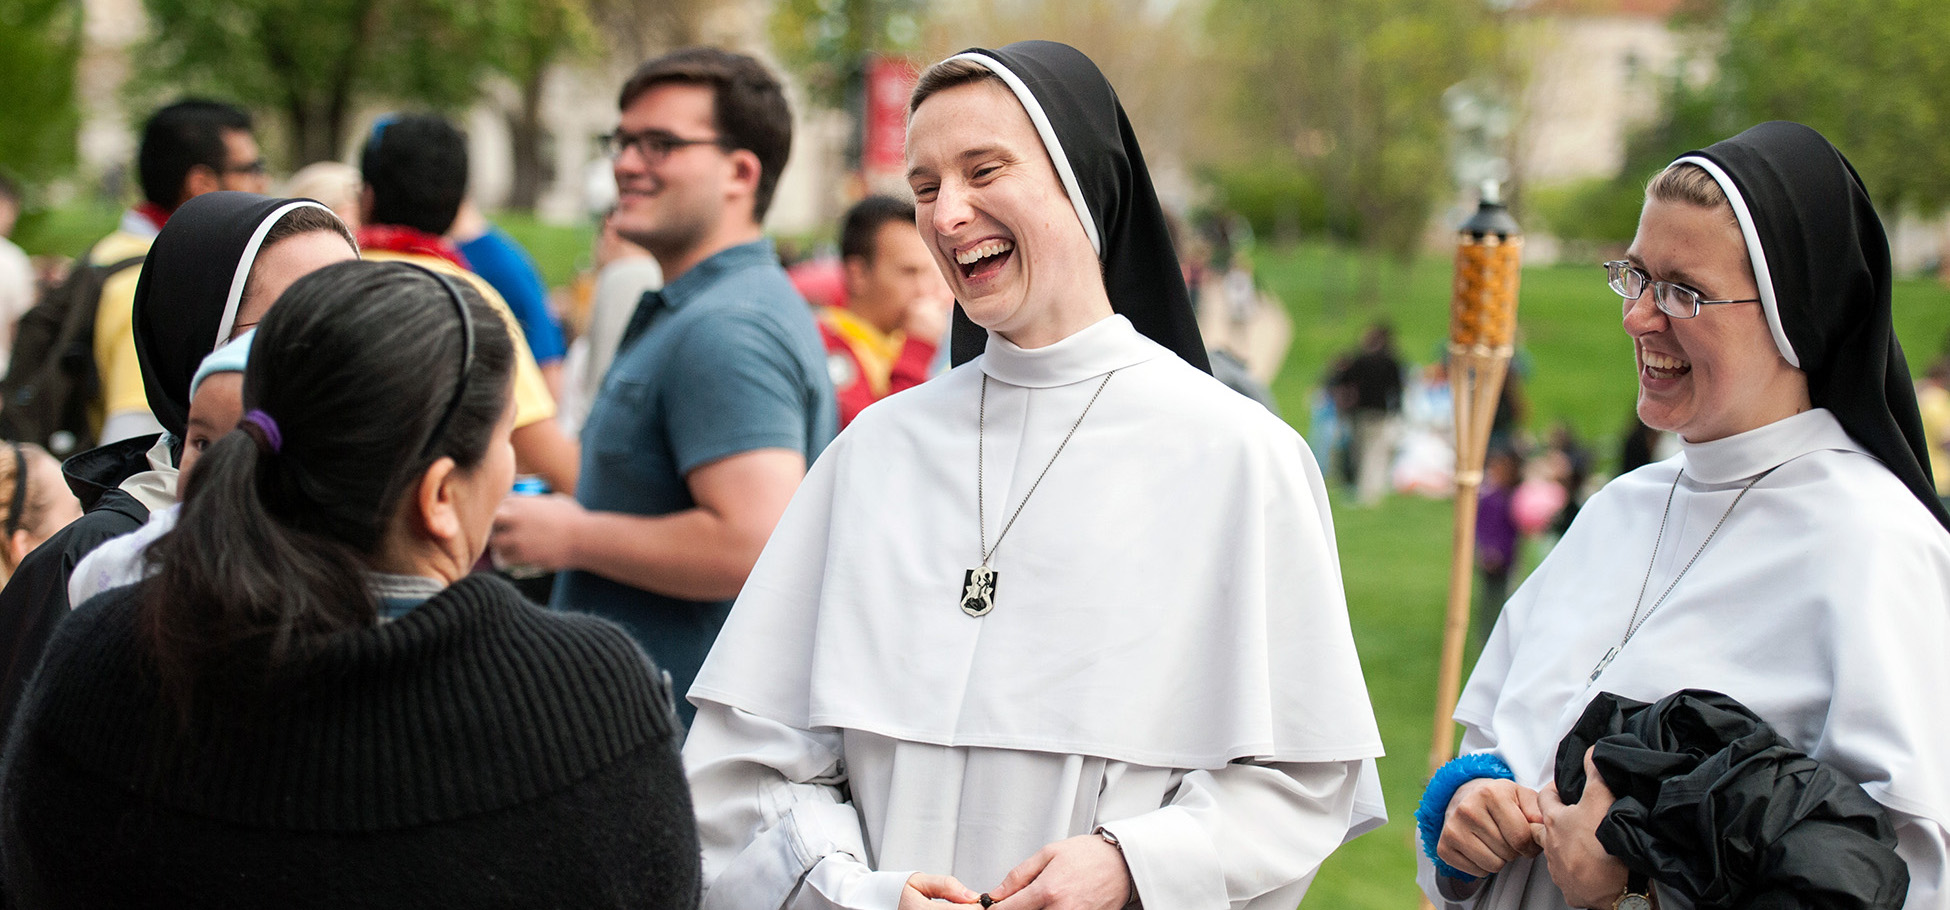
475, 753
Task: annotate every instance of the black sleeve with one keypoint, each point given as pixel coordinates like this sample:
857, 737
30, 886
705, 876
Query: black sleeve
36, 597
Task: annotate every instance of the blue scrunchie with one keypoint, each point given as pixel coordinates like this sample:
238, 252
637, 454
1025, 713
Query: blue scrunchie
1442, 787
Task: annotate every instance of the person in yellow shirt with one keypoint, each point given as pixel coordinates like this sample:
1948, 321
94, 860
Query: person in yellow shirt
415, 170
885, 338
189, 148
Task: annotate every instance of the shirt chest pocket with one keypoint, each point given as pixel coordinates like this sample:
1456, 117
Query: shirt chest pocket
620, 426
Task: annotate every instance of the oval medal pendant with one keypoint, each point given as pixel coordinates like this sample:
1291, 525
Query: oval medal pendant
978, 591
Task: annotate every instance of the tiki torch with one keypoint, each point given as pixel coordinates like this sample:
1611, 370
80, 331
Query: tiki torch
1482, 327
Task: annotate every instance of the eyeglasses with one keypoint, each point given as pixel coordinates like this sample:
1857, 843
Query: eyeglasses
254, 168
653, 145
1675, 300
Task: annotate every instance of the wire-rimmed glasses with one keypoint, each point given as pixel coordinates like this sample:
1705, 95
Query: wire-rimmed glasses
1675, 300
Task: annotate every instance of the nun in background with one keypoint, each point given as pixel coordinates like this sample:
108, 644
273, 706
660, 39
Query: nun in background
214, 271
1066, 620
1793, 556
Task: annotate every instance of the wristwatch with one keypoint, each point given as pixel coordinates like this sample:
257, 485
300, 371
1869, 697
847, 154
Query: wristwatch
1637, 894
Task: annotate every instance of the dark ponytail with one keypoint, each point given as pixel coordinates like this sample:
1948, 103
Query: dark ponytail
357, 367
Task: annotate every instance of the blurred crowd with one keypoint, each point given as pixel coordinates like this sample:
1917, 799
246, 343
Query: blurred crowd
335, 541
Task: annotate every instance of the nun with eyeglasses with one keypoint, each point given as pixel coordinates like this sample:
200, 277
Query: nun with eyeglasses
1792, 559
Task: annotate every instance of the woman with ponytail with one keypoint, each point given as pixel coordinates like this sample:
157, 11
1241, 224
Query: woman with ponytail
311, 702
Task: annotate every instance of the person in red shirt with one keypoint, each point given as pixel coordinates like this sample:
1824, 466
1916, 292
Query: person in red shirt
885, 338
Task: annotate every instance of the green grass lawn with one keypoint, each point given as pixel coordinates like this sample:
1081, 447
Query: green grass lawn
1395, 557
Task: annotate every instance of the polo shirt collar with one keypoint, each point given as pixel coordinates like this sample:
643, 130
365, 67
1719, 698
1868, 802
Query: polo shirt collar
692, 284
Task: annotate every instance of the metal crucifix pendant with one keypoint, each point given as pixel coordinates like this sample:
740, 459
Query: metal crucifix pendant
1602, 664
978, 591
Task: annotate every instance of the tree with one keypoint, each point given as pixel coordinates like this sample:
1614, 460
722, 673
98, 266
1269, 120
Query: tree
314, 60
1351, 90
828, 43
534, 36
1870, 77
1149, 51
40, 42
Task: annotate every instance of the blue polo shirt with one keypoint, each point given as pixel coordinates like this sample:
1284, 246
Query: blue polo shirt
726, 359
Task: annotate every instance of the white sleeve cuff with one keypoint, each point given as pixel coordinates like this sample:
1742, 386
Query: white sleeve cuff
768, 873
1173, 863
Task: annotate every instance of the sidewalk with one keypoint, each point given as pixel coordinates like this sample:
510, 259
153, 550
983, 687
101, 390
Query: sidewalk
1261, 341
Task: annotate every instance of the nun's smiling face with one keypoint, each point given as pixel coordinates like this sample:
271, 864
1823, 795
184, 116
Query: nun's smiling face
994, 214
1718, 373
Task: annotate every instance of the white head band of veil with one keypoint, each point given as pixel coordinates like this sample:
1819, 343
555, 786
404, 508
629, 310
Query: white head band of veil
1758, 256
1053, 145
247, 260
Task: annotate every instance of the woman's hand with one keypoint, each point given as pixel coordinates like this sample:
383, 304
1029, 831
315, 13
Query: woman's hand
1490, 822
1588, 876
1079, 873
923, 890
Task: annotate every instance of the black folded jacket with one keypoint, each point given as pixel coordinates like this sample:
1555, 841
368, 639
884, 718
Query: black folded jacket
1714, 803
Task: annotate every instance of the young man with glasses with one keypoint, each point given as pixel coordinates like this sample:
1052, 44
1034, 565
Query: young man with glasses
189, 148
718, 397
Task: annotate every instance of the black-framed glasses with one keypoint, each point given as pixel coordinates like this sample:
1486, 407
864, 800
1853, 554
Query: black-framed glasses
653, 145
1675, 300
253, 168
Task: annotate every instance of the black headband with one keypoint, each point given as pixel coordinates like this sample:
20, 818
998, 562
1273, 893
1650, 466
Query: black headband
20, 491
466, 358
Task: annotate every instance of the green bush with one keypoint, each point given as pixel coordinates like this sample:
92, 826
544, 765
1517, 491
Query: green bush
1595, 211
1277, 197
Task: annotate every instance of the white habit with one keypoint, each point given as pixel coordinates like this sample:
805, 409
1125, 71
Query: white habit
1169, 654
1823, 605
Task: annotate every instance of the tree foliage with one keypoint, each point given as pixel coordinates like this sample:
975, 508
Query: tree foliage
1150, 52
1873, 78
40, 42
1351, 91
315, 60
827, 42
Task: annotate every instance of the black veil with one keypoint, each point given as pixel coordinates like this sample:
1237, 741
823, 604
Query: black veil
1083, 126
1822, 263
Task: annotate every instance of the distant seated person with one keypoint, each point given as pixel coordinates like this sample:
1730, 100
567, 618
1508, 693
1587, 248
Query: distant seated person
313, 702
38, 503
415, 166
501, 261
884, 339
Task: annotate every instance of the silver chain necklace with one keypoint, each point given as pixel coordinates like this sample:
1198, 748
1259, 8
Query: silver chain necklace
1632, 625
978, 584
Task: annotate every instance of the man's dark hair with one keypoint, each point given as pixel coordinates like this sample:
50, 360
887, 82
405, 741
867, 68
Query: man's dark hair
416, 165
9, 190
180, 137
863, 221
748, 106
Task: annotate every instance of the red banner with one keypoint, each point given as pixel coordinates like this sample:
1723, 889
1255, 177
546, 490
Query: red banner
883, 141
